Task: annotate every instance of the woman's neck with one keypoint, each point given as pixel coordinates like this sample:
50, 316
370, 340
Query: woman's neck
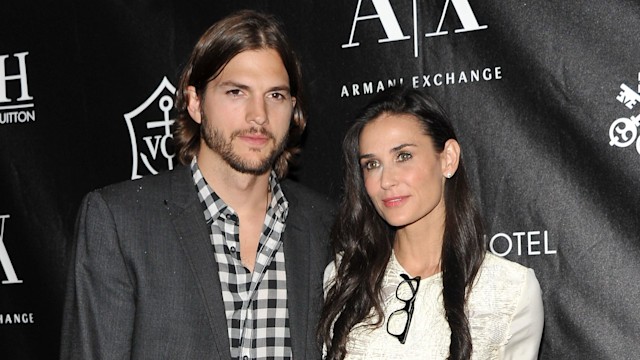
419, 250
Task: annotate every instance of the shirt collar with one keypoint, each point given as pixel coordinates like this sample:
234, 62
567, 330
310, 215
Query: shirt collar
215, 207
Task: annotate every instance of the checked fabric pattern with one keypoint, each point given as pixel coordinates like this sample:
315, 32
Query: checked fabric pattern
255, 302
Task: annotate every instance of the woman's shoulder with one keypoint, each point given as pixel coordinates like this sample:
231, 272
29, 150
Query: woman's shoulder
505, 298
330, 273
499, 270
500, 277
506, 304
502, 268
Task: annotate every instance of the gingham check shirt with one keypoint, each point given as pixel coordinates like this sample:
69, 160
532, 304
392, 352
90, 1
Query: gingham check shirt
255, 302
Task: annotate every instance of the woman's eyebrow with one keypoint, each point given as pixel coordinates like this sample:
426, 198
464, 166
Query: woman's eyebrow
393, 149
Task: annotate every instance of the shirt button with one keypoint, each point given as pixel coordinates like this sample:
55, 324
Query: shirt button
232, 249
245, 357
229, 216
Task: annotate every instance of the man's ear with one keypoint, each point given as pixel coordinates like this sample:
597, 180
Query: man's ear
193, 104
450, 158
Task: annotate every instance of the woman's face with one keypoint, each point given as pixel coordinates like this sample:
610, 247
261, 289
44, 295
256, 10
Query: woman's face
403, 173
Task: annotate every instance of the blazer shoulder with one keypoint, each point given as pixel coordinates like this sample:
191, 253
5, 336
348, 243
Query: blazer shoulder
151, 187
305, 199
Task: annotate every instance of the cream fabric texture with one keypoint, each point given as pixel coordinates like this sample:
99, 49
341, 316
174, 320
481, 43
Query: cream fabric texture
505, 314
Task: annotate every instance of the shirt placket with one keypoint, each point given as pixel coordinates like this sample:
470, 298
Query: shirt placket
264, 257
244, 286
243, 282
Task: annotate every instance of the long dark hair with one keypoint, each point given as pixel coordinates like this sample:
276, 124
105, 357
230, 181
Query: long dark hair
365, 241
241, 31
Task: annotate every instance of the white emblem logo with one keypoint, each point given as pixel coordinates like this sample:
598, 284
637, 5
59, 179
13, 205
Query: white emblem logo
9, 272
624, 131
18, 110
150, 132
530, 243
391, 26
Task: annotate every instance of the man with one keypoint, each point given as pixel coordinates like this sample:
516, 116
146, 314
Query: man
217, 259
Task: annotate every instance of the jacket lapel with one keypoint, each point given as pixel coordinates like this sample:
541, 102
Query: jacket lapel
188, 220
297, 252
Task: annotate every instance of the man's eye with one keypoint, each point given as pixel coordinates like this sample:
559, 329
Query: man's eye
277, 96
234, 92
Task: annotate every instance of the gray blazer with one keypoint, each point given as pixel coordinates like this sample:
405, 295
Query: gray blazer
143, 281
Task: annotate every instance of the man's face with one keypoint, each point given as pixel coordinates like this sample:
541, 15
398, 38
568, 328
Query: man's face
245, 112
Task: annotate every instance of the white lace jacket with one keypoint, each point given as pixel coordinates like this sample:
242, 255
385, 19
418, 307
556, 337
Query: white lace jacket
504, 309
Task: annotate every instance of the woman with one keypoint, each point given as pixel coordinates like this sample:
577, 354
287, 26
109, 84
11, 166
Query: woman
411, 276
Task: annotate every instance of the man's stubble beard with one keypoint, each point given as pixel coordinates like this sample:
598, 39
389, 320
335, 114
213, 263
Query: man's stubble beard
216, 142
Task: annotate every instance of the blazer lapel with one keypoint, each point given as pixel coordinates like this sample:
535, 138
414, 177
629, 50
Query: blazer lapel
297, 252
188, 220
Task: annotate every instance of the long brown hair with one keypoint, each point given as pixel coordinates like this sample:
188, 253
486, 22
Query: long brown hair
365, 241
238, 32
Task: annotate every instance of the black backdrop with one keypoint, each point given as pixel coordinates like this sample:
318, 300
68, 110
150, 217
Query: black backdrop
544, 95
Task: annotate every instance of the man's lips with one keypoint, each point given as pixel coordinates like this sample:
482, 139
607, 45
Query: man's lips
254, 139
254, 136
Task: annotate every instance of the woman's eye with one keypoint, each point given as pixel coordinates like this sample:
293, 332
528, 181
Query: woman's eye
404, 156
370, 165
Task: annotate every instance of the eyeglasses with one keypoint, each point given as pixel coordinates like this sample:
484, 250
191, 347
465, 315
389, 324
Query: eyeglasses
406, 292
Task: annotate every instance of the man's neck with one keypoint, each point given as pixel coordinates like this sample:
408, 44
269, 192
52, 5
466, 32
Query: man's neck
239, 190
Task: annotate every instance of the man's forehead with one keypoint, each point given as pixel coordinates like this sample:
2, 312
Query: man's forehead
254, 67
257, 55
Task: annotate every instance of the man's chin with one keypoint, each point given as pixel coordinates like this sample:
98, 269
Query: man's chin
254, 161
251, 166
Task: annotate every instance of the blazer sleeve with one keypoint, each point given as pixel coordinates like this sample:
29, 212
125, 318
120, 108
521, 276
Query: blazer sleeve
527, 324
99, 303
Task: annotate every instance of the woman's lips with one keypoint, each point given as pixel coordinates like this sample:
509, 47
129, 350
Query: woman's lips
394, 201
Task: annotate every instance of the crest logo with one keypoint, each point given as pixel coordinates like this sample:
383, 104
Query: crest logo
150, 132
624, 131
9, 272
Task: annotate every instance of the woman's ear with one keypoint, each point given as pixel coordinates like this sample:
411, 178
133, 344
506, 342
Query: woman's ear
450, 158
193, 104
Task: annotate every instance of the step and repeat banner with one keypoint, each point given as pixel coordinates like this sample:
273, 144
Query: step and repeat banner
544, 96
